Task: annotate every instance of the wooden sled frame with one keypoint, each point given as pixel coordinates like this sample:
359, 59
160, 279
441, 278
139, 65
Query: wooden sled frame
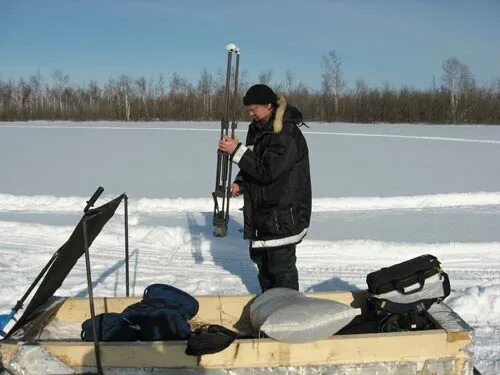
447, 345
444, 350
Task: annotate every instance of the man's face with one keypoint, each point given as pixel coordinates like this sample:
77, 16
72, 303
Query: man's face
259, 111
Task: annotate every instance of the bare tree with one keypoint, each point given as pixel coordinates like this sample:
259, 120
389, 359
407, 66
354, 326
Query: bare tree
61, 80
457, 79
124, 90
289, 81
332, 81
206, 90
132, 98
36, 82
23, 96
180, 92
7, 96
141, 85
94, 93
265, 77
159, 97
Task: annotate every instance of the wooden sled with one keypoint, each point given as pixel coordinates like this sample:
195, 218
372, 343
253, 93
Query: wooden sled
443, 350
49, 328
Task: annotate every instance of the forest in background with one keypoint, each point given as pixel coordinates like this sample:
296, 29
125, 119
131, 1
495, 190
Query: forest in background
453, 98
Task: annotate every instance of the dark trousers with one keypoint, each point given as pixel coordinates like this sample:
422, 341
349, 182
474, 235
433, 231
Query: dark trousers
276, 267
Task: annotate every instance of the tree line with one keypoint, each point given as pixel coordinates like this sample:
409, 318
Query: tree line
456, 99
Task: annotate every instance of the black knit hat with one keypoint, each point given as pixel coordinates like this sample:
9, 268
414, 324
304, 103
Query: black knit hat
260, 94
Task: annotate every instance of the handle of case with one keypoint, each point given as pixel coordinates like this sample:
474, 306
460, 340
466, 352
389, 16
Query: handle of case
403, 290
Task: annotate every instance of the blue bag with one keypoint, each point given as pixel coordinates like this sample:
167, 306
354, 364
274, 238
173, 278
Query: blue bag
157, 323
162, 295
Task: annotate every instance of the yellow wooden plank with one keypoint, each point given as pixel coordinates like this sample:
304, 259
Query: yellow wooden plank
7, 352
77, 309
347, 349
219, 309
121, 354
336, 350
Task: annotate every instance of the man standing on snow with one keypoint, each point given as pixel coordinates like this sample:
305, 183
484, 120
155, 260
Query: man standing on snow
276, 184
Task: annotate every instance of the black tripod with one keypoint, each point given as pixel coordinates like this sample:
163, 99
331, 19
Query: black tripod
224, 166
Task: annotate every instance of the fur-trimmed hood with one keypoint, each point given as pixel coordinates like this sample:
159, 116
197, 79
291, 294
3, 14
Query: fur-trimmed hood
285, 113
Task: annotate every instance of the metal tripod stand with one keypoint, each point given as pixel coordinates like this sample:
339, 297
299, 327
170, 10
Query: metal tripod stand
222, 191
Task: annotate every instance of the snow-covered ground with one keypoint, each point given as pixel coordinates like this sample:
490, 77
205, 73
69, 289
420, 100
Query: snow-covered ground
382, 194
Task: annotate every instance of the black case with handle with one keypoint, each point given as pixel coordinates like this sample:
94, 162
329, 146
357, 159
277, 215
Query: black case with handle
408, 287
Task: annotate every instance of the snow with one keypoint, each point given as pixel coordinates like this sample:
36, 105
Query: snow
382, 194
478, 304
35, 360
44, 203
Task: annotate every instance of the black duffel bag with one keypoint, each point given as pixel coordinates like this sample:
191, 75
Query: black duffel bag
110, 327
408, 287
157, 323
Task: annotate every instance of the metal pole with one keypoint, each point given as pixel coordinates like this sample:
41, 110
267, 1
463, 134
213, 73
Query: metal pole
225, 121
227, 88
219, 221
225, 158
234, 124
20, 303
127, 269
91, 299
5, 319
223, 126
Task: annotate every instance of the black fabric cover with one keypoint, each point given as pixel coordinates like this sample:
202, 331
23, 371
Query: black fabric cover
67, 256
405, 322
209, 339
110, 327
385, 306
402, 275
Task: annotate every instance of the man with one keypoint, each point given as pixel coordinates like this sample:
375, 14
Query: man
275, 181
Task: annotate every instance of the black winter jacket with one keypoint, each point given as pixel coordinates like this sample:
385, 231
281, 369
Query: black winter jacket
275, 179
